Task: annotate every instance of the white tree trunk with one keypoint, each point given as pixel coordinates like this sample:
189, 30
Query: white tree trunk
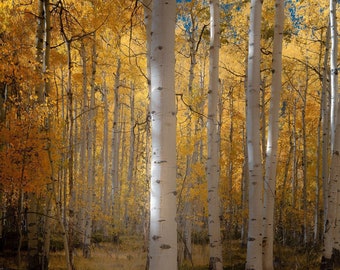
272, 140
105, 204
163, 226
115, 146
83, 139
213, 160
333, 190
332, 197
254, 244
334, 68
131, 166
91, 158
325, 107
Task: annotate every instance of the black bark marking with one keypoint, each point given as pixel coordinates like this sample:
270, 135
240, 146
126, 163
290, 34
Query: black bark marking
161, 161
155, 237
165, 246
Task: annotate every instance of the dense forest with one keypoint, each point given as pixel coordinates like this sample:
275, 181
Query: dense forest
180, 134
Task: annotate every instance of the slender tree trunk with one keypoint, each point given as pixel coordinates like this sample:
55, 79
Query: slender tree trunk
115, 147
59, 209
281, 223
272, 140
294, 169
70, 225
333, 190
316, 231
334, 68
325, 111
91, 159
84, 130
105, 206
33, 233
333, 193
39, 45
185, 245
213, 160
131, 161
245, 188
334, 88
304, 159
163, 226
254, 245
230, 169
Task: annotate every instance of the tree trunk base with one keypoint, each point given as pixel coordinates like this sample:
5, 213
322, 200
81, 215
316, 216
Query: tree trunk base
326, 264
34, 262
213, 263
336, 258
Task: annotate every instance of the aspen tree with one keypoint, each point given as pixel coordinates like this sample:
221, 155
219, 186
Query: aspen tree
116, 144
91, 158
83, 160
69, 207
185, 205
105, 203
325, 127
272, 138
38, 252
254, 244
334, 180
213, 167
163, 226
334, 68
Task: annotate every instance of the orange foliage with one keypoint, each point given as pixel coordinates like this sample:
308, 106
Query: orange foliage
24, 162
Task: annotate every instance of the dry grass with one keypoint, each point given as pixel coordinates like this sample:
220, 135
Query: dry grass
129, 255
105, 256
124, 257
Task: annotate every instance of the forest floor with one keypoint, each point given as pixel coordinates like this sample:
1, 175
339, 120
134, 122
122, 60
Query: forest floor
129, 255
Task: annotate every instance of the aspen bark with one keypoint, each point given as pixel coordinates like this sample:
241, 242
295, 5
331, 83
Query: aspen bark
163, 226
115, 146
304, 158
131, 157
254, 245
334, 68
213, 160
83, 160
272, 140
245, 196
325, 114
91, 158
105, 204
70, 207
333, 190
33, 234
